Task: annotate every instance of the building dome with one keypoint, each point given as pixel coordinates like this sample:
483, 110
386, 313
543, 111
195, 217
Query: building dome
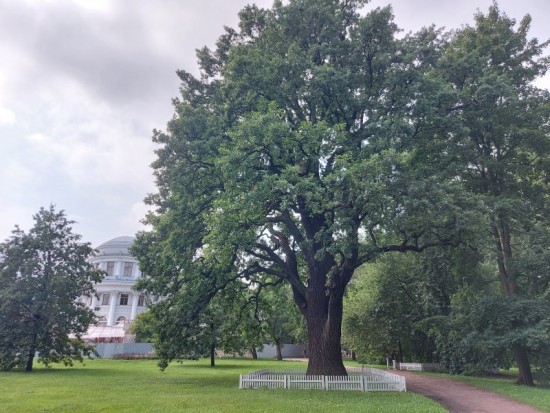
115, 247
115, 302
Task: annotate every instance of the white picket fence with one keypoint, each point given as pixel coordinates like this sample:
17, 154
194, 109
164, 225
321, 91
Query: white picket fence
359, 378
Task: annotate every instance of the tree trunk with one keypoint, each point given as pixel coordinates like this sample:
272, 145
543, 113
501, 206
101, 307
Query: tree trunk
353, 355
502, 234
254, 353
400, 351
212, 355
324, 324
213, 342
278, 350
32, 348
503, 244
30, 360
525, 376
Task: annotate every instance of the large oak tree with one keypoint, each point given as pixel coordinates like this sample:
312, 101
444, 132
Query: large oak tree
289, 159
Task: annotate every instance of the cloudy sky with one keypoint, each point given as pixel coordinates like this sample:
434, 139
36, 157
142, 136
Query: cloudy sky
84, 82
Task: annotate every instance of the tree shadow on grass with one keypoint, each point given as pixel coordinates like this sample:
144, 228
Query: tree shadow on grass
60, 370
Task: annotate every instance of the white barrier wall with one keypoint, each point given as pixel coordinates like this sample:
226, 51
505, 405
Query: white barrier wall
108, 350
289, 351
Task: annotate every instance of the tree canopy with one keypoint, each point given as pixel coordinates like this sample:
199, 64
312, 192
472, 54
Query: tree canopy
42, 274
307, 147
502, 154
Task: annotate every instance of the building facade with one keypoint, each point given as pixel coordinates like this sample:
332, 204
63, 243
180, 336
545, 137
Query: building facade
116, 303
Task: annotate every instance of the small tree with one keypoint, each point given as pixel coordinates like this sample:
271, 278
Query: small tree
191, 328
280, 317
144, 327
42, 274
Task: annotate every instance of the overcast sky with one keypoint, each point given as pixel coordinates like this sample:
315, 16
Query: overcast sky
84, 82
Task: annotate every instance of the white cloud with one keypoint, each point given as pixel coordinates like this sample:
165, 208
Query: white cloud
84, 83
15, 178
104, 6
94, 146
133, 219
544, 82
7, 116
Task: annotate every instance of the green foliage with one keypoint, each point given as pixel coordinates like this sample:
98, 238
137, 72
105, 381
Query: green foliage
391, 299
42, 274
292, 159
500, 151
180, 330
231, 323
144, 327
281, 320
476, 336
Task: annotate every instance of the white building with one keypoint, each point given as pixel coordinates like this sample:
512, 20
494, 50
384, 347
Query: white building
115, 303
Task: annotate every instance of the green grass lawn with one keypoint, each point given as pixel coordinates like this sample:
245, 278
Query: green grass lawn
139, 386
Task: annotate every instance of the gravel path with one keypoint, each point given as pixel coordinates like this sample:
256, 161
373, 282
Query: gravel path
460, 397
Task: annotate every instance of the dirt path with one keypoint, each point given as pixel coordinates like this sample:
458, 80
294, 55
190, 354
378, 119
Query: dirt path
460, 397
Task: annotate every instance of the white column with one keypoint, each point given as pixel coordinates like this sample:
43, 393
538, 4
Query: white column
94, 301
112, 308
135, 298
119, 268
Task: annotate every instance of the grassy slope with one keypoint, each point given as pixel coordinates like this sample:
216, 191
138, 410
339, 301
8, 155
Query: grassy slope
138, 386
